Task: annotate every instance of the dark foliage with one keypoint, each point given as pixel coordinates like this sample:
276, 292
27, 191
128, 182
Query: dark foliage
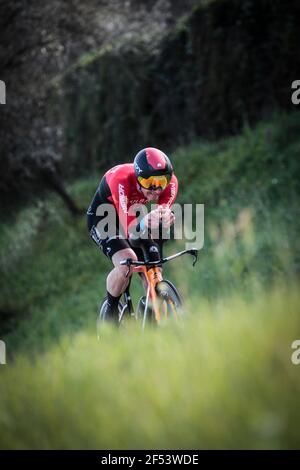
89, 83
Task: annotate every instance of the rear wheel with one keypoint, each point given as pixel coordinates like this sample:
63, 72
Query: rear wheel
122, 308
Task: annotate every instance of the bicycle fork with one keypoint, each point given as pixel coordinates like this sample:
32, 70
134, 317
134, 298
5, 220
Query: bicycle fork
153, 276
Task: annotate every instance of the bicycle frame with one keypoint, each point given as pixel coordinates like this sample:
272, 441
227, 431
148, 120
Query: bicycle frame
153, 276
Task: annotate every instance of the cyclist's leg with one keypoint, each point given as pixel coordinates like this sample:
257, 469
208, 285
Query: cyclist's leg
118, 278
116, 250
110, 246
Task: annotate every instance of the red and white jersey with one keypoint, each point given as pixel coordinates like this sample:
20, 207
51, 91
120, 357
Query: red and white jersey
125, 192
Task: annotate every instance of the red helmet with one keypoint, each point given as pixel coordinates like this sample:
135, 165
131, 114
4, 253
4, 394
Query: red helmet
153, 168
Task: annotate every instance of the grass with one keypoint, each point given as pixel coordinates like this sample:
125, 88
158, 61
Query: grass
224, 379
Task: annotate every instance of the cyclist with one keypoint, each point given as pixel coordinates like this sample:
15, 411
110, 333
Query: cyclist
150, 178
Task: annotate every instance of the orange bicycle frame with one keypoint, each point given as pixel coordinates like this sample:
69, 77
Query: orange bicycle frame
153, 276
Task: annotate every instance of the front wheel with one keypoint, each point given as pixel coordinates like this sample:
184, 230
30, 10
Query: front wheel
170, 302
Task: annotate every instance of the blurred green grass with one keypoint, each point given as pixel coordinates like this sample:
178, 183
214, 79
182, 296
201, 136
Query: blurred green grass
224, 379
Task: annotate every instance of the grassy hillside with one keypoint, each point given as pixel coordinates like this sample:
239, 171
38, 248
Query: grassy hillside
250, 187
53, 276
224, 378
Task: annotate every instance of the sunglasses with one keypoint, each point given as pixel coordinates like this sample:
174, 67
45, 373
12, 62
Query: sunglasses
154, 182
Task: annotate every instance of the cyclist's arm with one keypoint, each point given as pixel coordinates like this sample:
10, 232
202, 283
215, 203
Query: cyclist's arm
120, 197
166, 201
162, 214
168, 196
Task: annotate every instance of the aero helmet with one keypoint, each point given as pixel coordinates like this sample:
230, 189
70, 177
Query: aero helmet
153, 168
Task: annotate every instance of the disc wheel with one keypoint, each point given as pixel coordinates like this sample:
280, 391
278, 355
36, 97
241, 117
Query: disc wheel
169, 301
123, 311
